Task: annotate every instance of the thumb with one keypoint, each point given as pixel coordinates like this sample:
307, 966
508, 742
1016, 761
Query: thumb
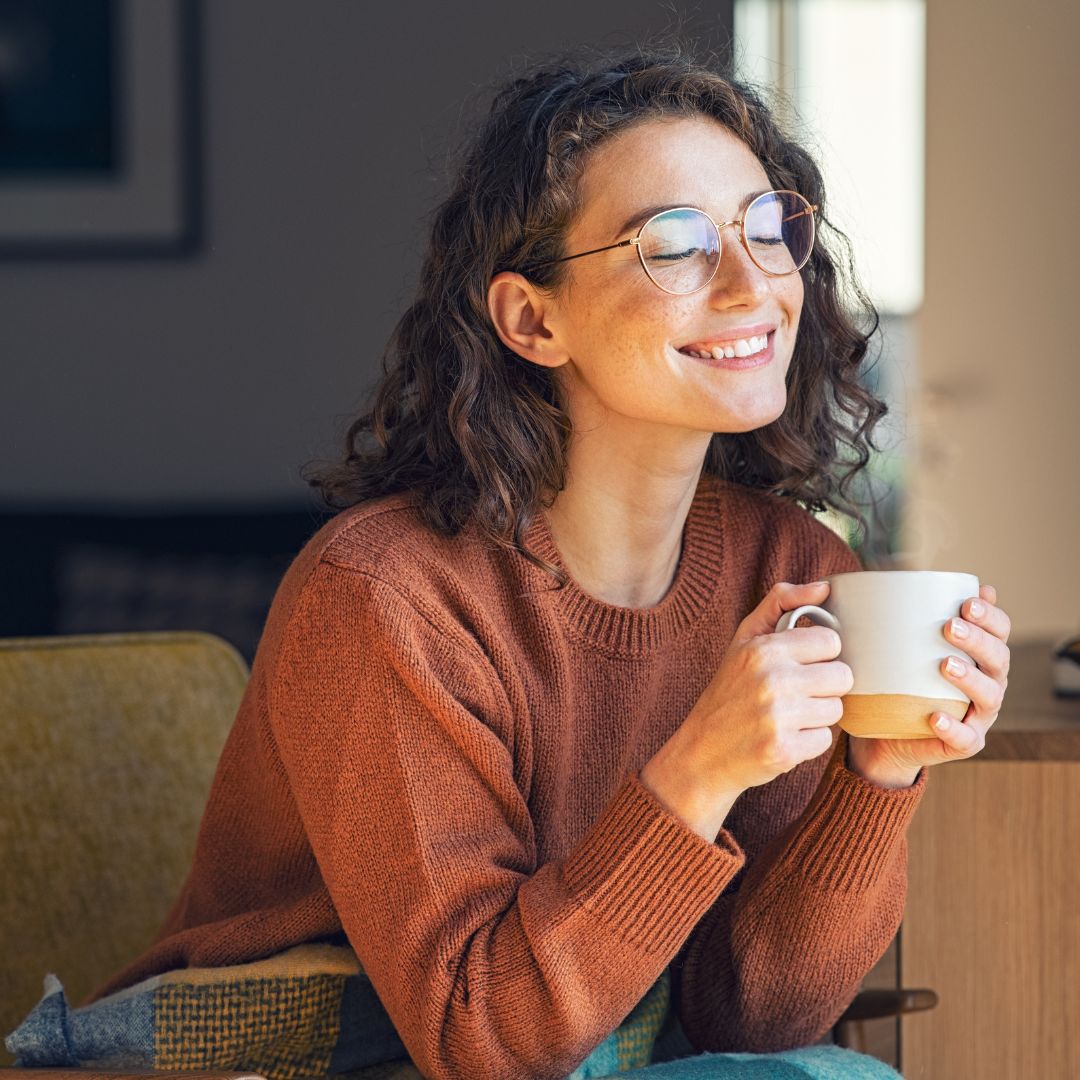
782, 597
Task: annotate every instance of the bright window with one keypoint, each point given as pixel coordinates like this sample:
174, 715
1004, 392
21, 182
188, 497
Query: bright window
853, 71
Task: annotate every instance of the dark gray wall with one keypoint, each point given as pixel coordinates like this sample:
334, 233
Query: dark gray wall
211, 379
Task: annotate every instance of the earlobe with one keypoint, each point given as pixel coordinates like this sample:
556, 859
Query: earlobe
521, 318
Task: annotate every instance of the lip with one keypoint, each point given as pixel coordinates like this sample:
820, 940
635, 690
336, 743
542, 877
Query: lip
732, 335
740, 363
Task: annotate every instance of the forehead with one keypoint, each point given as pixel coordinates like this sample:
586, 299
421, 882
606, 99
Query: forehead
684, 160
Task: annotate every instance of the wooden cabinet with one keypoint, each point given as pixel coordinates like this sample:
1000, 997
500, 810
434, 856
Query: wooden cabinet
992, 921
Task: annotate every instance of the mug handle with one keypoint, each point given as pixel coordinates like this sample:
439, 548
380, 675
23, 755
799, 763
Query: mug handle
819, 615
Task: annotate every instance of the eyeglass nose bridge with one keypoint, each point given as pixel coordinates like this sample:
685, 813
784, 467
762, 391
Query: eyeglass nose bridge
719, 226
722, 224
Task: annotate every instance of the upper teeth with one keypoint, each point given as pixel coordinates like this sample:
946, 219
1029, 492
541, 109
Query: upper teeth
740, 347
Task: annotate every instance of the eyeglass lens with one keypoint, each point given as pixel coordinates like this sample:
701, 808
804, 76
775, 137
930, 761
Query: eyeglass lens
681, 248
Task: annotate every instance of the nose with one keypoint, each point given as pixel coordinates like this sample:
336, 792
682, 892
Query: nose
738, 279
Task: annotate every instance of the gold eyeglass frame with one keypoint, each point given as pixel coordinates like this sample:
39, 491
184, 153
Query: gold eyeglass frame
636, 240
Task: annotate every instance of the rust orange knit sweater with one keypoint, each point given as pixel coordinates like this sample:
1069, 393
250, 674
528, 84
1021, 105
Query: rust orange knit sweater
438, 754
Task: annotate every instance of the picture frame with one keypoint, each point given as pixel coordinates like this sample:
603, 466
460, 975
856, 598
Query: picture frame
105, 161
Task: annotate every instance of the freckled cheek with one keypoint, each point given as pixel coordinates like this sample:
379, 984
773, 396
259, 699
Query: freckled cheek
625, 332
619, 353
636, 328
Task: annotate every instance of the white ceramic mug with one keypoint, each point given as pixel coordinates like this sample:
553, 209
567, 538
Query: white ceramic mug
891, 625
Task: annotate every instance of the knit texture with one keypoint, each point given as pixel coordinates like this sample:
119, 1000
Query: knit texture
437, 758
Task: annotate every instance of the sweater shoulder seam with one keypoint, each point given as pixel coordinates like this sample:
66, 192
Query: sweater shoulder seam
415, 602
471, 650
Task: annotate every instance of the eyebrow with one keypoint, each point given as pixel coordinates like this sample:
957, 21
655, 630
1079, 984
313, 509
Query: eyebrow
639, 217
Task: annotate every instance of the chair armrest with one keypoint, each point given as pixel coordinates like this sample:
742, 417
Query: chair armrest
48, 1073
876, 1004
848, 1031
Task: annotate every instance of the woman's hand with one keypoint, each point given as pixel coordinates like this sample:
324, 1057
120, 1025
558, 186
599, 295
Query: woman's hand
771, 705
896, 762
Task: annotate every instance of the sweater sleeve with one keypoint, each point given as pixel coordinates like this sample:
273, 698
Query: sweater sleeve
783, 952
778, 958
398, 748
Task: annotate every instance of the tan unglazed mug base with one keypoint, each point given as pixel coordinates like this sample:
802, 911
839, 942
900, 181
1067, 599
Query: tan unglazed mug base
896, 716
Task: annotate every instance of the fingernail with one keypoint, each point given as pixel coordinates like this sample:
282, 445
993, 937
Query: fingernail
954, 666
976, 610
942, 723
959, 628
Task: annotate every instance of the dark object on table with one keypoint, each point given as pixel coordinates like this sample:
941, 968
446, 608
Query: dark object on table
1067, 667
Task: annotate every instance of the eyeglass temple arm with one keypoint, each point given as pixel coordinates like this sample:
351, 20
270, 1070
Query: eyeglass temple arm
801, 213
567, 258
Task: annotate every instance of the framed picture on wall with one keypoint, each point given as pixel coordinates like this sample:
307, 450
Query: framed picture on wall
98, 146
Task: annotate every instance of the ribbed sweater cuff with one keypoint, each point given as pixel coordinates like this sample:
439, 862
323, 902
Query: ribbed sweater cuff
848, 836
645, 874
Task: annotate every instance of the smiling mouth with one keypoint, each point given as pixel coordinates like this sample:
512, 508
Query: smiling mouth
738, 348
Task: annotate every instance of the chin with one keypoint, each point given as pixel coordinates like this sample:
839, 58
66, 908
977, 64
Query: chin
764, 417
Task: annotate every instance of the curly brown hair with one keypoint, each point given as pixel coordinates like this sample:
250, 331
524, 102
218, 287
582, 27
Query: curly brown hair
479, 434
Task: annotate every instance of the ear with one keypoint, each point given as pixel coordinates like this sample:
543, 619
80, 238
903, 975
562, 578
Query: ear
525, 320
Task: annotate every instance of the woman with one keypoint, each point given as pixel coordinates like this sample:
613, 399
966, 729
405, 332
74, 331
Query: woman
519, 730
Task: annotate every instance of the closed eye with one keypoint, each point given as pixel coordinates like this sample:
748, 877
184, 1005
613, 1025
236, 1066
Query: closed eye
676, 256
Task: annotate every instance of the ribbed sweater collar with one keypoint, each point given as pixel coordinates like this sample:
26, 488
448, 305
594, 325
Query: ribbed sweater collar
628, 631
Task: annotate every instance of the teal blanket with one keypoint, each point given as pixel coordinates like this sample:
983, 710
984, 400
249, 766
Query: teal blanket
808, 1063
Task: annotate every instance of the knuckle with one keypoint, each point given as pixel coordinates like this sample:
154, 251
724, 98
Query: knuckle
761, 658
768, 695
757, 661
777, 750
758, 646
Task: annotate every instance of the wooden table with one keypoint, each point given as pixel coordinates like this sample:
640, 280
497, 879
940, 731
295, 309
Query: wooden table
992, 921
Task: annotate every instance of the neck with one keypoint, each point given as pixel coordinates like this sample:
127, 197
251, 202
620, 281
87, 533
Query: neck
620, 535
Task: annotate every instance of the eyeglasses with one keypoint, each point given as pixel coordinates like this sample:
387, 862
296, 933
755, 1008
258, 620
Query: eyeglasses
680, 248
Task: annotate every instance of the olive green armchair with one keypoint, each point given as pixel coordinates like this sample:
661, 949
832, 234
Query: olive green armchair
108, 743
